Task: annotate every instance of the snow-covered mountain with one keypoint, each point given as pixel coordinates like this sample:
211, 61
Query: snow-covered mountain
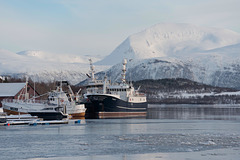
217, 67
44, 66
207, 69
171, 40
206, 55
62, 58
51, 57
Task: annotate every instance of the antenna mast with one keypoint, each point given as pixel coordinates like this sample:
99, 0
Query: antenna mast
124, 71
91, 69
26, 86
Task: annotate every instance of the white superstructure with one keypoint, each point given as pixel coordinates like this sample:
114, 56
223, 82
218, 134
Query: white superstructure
56, 99
123, 90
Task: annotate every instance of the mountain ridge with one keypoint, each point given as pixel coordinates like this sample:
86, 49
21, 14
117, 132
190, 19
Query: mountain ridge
44, 66
171, 40
206, 55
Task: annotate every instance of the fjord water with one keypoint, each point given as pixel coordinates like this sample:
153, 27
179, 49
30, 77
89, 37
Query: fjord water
168, 132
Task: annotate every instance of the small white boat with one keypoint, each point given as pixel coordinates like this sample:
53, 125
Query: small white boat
21, 117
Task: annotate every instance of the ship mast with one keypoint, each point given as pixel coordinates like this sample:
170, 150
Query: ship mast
26, 91
92, 70
124, 71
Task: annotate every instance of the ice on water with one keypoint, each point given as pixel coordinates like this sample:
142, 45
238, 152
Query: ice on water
124, 139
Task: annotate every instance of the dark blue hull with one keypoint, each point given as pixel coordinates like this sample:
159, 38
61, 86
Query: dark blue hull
108, 104
49, 115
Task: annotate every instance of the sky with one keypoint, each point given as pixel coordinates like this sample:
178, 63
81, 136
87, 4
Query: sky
97, 27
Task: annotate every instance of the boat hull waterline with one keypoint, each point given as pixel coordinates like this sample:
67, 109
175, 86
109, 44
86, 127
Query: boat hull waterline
49, 115
106, 106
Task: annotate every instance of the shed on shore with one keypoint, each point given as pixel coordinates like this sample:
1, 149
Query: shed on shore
15, 90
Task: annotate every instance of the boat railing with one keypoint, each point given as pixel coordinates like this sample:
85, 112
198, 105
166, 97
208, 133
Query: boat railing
95, 90
24, 101
141, 95
138, 95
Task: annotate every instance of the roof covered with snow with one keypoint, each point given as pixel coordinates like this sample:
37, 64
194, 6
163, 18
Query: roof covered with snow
10, 89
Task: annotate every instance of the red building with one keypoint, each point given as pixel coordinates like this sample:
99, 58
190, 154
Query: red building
15, 91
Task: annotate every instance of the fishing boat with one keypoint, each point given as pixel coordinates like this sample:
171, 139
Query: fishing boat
49, 113
58, 105
108, 100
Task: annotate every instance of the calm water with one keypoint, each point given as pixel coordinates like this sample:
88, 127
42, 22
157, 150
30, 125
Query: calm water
168, 133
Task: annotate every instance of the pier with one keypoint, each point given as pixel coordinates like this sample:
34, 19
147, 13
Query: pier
39, 122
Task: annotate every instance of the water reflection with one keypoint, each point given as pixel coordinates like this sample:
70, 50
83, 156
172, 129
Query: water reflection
209, 112
159, 136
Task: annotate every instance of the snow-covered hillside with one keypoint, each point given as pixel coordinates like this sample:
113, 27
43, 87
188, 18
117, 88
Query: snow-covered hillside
171, 40
43, 66
62, 58
206, 55
209, 68
217, 67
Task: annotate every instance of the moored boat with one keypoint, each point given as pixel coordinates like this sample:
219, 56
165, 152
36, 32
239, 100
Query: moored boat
106, 100
58, 104
49, 113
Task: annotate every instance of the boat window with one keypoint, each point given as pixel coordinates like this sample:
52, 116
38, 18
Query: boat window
48, 109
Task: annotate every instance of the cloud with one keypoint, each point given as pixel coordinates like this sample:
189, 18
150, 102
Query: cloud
215, 13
